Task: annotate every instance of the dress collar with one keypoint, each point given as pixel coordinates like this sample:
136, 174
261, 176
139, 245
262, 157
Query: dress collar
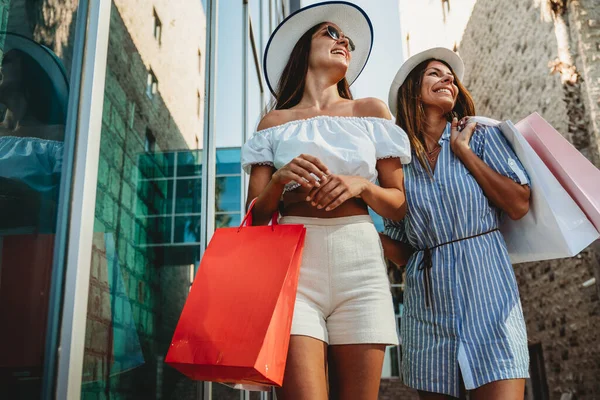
446, 134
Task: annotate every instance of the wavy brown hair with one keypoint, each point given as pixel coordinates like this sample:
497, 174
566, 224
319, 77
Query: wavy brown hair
293, 78
410, 115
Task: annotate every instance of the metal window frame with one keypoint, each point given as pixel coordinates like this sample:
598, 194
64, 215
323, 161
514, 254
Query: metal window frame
207, 227
83, 202
51, 353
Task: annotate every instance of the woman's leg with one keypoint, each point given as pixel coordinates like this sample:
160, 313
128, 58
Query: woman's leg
305, 370
356, 371
509, 389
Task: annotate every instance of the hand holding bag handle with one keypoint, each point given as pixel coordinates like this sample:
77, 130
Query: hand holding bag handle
248, 218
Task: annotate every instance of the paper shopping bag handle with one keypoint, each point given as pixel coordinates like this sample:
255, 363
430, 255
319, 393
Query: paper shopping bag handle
248, 218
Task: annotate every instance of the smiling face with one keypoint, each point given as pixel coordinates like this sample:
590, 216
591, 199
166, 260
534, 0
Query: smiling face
438, 87
318, 51
328, 53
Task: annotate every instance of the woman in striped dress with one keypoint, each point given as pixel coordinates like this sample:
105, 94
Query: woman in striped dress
462, 322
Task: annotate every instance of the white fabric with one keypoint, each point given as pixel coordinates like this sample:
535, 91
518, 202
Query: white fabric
346, 145
555, 227
351, 19
343, 291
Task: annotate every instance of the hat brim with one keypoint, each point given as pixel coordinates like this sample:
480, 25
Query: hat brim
438, 53
351, 19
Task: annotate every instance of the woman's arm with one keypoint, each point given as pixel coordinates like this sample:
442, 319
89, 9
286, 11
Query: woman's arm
397, 252
265, 191
267, 184
502, 191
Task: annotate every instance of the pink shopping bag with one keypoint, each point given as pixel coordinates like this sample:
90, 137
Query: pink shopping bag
579, 177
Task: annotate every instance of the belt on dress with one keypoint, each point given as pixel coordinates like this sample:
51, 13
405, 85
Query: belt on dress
427, 263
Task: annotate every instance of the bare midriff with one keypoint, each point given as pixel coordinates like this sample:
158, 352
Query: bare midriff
295, 204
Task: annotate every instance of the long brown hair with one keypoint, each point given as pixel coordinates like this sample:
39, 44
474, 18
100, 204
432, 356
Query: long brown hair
293, 78
410, 115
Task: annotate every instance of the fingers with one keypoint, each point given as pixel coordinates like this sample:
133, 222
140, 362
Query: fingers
463, 121
299, 177
325, 199
322, 170
454, 126
312, 193
307, 170
468, 130
308, 179
345, 195
315, 196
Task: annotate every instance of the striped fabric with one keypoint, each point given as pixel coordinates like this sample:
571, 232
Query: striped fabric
475, 324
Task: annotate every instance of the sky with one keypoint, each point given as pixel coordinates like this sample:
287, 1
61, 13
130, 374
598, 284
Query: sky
392, 20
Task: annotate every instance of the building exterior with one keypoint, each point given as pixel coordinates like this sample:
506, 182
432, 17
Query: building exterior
104, 266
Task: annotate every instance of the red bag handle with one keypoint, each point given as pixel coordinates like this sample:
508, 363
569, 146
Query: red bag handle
248, 218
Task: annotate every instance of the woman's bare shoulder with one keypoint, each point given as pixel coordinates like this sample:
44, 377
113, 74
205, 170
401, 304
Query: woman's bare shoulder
275, 118
371, 107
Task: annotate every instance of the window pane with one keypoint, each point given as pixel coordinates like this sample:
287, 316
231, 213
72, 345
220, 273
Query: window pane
228, 220
189, 163
188, 196
156, 165
155, 197
228, 161
187, 229
153, 230
228, 194
143, 256
229, 97
36, 59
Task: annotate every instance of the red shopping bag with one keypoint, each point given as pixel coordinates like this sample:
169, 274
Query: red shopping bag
576, 174
235, 325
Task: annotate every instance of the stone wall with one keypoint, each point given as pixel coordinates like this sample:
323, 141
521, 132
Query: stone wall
506, 47
584, 17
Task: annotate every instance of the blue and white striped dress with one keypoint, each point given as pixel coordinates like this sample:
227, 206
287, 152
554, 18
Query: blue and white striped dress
475, 322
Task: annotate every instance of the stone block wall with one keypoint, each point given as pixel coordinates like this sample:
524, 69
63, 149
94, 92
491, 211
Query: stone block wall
506, 47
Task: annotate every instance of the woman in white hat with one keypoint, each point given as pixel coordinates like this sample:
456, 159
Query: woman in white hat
462, 321
326, 150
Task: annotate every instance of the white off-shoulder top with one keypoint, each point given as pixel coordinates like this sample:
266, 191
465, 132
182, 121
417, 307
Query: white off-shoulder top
346, 145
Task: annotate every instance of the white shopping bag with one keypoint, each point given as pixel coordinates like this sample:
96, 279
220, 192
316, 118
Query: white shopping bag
555, 227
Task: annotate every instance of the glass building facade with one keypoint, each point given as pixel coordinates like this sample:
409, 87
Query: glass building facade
122, 123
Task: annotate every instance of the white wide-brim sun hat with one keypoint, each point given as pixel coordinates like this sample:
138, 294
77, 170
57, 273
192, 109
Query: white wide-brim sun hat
351, 19
438, 53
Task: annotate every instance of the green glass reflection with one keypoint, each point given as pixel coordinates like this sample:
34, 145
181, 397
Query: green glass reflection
228, 220
187, 229
188, 196
189, 163
228, 197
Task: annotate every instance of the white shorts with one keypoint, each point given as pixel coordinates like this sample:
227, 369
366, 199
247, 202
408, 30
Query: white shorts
343, 292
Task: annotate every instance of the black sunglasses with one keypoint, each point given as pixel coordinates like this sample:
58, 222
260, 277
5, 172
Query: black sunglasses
336, 35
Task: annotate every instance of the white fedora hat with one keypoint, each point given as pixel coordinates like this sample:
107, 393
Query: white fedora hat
351, 19
438, 53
